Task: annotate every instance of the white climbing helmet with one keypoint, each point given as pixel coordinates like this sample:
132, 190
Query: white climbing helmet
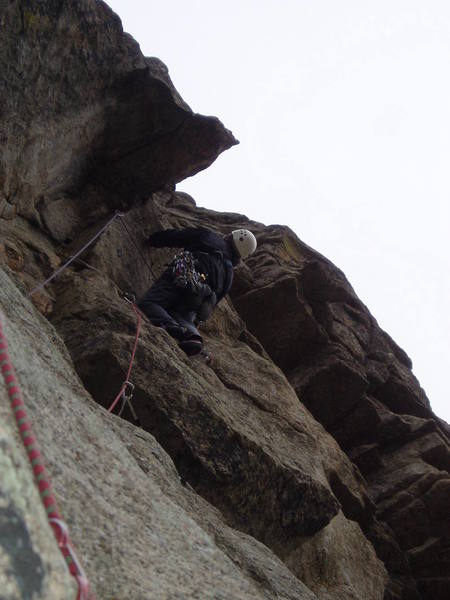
244, 241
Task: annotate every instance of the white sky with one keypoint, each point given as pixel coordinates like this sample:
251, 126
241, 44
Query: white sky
343, 114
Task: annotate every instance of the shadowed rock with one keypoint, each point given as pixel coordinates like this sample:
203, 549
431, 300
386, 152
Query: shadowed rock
81, 104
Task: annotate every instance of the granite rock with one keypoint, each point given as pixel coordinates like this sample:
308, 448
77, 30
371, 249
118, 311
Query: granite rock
82, 106
139, 531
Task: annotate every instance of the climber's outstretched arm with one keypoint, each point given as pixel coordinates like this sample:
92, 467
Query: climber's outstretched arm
176, 238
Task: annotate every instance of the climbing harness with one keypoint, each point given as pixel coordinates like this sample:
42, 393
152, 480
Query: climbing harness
185, 273
127, 389
59, 527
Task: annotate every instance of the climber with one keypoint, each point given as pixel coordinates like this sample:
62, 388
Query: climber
195, 281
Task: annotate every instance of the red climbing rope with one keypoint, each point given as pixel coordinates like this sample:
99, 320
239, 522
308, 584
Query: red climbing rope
127, 382
59, 527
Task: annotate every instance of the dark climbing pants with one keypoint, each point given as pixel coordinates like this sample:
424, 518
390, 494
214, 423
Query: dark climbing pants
163, 304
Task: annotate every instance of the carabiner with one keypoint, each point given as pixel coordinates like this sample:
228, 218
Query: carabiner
129, 385
129, 297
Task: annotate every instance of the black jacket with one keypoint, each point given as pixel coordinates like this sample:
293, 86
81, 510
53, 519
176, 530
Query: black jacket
215, 255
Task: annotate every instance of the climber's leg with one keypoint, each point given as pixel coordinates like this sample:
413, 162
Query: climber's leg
156, 303
192, 341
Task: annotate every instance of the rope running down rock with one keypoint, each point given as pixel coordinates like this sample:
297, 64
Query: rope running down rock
127, 383
34, 454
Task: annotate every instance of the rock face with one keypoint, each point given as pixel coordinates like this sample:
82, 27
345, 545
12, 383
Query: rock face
302, 462
80, 104
31, 565
358, 383
120, 493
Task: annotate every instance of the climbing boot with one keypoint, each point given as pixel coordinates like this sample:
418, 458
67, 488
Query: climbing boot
191, 346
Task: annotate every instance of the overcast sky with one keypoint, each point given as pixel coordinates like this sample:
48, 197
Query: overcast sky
343, 114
